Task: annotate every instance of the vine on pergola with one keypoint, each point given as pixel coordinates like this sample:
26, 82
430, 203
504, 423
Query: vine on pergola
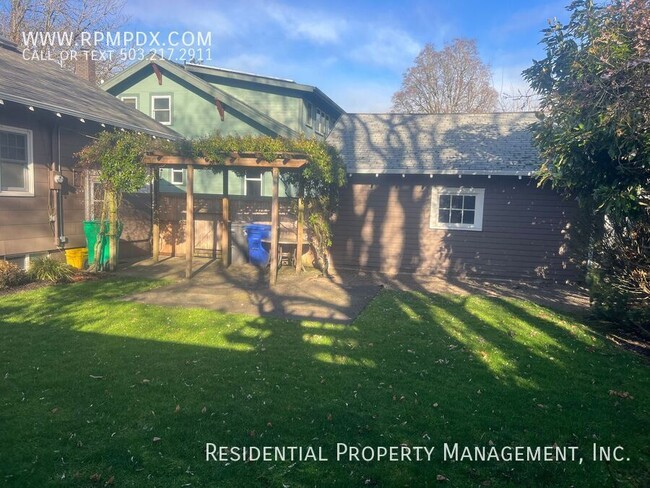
118, 158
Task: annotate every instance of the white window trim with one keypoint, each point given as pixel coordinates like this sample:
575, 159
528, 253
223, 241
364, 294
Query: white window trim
319, 122
177, 171
438, 191
133, 97
260, 179
30, 163
153, 110
309, 115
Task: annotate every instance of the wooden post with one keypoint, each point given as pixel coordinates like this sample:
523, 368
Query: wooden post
300, 226
275, 226
155, 216
225, 217
189, 222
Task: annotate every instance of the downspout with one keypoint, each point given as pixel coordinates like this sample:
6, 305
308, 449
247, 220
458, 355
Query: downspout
59, 192
58, 197
53, 191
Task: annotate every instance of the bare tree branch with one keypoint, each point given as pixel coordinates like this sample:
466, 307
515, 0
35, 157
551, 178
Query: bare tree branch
453, 80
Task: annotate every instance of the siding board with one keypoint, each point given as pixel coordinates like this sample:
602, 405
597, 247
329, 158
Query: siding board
383, 224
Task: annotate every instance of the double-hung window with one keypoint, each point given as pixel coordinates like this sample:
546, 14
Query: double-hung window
253, 182
161, 109
16, 167
178, 176
457, 208
130, 101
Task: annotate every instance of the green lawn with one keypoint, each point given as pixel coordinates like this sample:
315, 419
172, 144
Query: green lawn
88, 382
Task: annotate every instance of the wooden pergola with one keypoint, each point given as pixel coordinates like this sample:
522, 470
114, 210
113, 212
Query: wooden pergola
290, 162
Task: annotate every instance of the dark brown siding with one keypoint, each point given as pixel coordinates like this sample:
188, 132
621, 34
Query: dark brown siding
383, 224
24, 221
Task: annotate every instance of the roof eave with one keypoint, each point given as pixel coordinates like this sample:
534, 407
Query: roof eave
82, 115
461, 172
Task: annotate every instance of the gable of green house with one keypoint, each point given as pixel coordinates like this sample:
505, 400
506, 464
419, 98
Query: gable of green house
194, 113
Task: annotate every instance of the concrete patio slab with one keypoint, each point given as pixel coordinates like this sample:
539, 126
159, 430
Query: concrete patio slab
244, 289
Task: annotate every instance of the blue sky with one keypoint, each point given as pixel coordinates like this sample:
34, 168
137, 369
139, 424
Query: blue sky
355, 51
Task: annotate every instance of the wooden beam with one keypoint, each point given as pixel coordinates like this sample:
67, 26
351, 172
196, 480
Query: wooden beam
275, 226
155, 216
300, 226
225, 218
244, 162
189, 222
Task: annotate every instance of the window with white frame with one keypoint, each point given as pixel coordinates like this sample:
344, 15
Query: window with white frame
16, 166
161, 109
309, 119
253, 182
178, 176
130, 101
457, 208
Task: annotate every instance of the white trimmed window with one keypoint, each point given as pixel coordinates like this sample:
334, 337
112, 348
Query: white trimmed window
161, 109
131, 101
309, 119
16, 165
253, 183
457, 208
178, 176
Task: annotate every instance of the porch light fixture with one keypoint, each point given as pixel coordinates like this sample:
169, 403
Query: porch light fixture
460, 176
31, 108
2, 102
58, 115
489, 177
403, 175
103, 125
431, 176
82, 121
376, 175
519, 176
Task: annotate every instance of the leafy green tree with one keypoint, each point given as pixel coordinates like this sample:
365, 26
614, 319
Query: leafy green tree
118, 158
594, 137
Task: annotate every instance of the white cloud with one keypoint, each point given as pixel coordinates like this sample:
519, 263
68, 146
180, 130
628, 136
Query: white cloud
311, 25
387, 47
163, 14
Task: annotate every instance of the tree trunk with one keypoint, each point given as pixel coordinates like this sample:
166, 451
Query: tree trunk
112, 230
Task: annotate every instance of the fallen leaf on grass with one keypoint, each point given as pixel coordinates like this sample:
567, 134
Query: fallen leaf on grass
156, 439
95, 477
178, 408
96, 377
621, 394
440, 477
110, 481
204, 409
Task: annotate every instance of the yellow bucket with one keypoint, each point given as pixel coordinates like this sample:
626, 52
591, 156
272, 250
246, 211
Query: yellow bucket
76, 257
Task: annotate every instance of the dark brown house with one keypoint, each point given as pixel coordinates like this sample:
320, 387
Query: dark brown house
46, 115
448, 194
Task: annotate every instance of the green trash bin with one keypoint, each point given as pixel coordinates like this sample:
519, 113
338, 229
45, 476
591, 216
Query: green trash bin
91, 229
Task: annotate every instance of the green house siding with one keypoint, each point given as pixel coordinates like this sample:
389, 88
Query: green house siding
194, 114
209, 182
278, 103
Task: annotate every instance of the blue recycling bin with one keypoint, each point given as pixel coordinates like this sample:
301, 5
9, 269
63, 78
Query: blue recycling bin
256, 253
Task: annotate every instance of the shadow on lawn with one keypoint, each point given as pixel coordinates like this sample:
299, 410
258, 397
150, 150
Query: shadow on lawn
90, 381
